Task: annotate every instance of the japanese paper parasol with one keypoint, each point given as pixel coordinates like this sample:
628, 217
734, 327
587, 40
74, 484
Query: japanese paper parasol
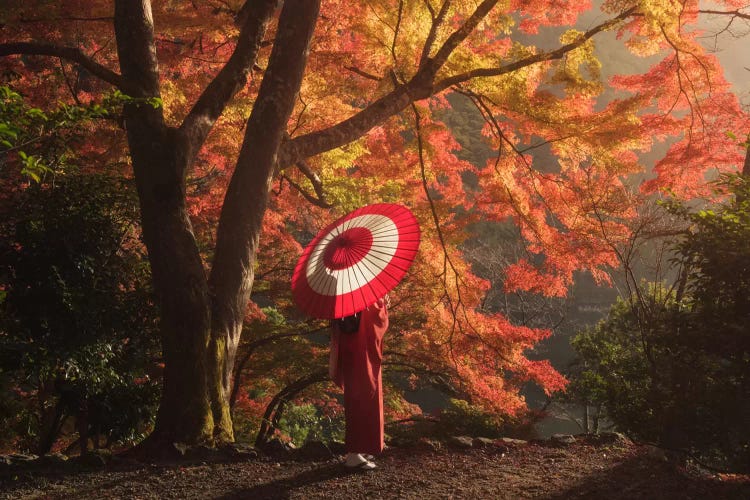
356, 260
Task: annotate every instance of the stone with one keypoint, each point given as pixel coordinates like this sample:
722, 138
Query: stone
315, 450
21, 458
562, 439
514, 442
483, 442
181, 448
614, 438
337, 447
242, 452
204, 453
276, 448
656, 453
429, 444
401, 442
52, 459
95, 458
461, 441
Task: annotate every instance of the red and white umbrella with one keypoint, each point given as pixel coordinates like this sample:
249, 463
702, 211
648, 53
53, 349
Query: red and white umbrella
355, 261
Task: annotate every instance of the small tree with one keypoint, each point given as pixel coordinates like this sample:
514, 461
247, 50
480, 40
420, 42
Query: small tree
77, 326
673, 367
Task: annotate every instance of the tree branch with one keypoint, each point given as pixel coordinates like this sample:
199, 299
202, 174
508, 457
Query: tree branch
421, 86
437, 21
537, 58
72, 54
250, 350
461, 33
275, 408
317, 183
232, 77
733, 13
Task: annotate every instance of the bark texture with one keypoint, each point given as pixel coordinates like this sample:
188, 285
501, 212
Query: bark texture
246, 199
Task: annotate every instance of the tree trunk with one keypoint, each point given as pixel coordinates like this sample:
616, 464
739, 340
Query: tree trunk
201, 324
159, 164
585, 418
246, 199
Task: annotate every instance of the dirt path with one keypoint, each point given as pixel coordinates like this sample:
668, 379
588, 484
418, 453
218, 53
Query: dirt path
528, 471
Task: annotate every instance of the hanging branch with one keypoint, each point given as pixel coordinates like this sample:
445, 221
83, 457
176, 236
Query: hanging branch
250, 349
275, 408
315, 180
447, 262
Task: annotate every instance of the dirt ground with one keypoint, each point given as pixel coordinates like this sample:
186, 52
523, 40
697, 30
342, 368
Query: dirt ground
578, 470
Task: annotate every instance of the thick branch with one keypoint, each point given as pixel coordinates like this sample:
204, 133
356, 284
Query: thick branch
535, 59
72, 54
232, 77
421, 86
437, 22
275, 408
464, 31
134, 30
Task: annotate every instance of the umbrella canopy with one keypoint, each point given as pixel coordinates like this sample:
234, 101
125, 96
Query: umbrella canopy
356, 260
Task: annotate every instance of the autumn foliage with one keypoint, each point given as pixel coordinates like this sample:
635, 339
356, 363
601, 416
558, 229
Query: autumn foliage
368, 124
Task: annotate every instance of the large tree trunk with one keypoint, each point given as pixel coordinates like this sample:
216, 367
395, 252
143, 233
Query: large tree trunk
201, 324
179, 278
241, 221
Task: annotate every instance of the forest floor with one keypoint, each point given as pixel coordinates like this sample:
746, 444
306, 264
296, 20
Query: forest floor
534, 470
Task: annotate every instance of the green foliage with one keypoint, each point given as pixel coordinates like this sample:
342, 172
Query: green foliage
306, 422
463, 418
672, 366
77, 322
40, 142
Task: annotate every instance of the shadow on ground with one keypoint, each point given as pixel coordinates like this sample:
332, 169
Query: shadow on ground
653, 479
284, 488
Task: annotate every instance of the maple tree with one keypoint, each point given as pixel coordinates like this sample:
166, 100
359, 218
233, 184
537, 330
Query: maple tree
262, 118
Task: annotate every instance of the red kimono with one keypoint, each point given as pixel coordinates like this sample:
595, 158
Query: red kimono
355, 365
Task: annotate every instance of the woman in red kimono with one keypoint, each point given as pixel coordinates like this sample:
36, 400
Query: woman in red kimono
354, 365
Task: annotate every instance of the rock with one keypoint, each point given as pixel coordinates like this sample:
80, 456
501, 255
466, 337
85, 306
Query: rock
429, 444
52, 459
203, 453
181, 448
514, 442
249, 454
401, 442
461, 441
242, 452
20, 458
483, 442
276, 448
95, 458
656, 453
614, 438
315, 450
562, 439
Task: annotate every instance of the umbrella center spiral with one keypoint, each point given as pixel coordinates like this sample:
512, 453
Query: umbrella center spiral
348, 248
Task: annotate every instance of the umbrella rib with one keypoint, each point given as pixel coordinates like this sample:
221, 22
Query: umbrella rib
368, 284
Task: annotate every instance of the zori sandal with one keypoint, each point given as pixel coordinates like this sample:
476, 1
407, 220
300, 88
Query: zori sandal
362, 466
